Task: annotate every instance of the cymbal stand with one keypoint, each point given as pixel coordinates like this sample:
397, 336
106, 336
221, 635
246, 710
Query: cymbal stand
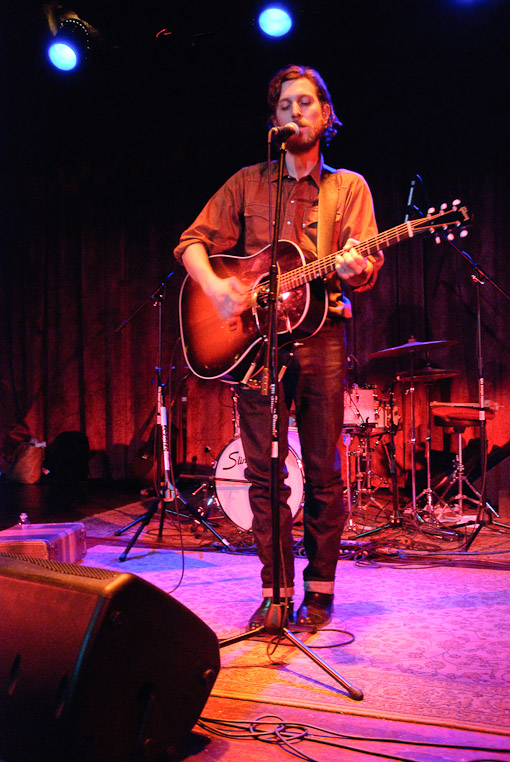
430, 497
438, 530
413, 436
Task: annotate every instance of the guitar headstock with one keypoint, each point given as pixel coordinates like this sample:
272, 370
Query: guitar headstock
446, 220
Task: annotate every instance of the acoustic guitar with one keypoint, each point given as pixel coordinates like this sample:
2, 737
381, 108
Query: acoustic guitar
233, 349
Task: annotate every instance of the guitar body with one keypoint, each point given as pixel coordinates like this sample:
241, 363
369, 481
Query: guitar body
219, 348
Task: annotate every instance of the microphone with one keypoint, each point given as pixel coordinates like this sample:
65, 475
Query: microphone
409, 206
285, 132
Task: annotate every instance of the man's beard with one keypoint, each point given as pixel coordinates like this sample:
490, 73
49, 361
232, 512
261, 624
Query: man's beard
297, 144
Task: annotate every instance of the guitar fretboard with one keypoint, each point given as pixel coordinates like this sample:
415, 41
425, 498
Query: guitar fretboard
321, 267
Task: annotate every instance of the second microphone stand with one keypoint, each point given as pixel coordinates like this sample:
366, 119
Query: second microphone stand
165, 490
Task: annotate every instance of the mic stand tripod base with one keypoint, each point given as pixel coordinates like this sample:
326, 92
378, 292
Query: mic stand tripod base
274, 625
146, 518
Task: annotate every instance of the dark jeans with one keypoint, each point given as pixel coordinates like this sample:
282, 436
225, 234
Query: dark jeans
315, 382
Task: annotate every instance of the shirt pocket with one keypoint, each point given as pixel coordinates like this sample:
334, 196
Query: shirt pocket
311, 218
257, 226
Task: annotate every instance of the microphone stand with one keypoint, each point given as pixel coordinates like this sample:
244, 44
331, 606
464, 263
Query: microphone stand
479, 278
484, 514
165, 489
274, 621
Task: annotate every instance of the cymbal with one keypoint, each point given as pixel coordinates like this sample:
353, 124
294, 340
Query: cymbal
460, 411
427, 374
411, 346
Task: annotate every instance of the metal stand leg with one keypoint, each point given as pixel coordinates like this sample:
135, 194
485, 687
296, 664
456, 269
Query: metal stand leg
460, 480
431, 498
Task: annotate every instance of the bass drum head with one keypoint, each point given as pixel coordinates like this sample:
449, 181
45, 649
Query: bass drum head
232, 487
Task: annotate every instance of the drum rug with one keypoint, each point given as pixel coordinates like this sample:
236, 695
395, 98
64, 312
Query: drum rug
427, 644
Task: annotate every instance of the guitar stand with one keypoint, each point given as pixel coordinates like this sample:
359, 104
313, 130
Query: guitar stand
276, 615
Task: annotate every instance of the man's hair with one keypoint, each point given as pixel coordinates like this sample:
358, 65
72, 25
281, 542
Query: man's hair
296, 72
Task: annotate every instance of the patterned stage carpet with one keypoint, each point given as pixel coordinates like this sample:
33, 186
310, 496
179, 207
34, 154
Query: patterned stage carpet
431, 642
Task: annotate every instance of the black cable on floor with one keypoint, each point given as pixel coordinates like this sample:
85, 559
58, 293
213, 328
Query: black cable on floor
274, 730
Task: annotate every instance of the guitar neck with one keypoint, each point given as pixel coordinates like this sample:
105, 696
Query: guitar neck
319, 268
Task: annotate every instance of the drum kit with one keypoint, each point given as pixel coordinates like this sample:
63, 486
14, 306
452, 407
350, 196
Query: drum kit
368, 415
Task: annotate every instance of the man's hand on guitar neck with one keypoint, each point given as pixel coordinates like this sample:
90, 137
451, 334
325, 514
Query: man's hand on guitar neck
350, 265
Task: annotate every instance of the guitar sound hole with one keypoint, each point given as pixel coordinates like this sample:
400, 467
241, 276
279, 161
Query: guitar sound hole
263, 294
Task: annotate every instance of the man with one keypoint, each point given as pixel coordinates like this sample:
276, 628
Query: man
240, 213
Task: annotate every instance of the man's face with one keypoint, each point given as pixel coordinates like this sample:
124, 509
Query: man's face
299, 103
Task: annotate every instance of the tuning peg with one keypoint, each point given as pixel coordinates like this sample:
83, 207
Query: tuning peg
431, 210
451, 237
456, 203
464, 233
437, 239
443, 207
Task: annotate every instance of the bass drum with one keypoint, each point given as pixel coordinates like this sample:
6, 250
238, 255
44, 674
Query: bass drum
232, 487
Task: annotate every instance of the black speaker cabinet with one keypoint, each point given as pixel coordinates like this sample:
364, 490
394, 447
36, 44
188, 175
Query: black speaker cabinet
96, 665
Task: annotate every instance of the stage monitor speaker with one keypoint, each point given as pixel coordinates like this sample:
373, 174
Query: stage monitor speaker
96, 665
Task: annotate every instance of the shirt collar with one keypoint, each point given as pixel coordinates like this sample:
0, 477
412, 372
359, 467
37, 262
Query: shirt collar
315, 174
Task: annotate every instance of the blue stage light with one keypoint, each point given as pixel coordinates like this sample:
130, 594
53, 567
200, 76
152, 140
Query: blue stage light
70, 45
275, 21
62, 56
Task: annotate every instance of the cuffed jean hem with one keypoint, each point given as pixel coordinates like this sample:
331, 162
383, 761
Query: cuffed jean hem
313, 586
285, 592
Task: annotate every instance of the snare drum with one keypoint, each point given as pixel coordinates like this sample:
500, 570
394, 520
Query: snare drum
232, 487
363, 408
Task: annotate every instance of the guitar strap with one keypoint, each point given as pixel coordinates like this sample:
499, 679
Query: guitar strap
328, 205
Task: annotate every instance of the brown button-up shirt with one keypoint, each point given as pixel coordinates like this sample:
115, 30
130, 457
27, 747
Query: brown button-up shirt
240, 216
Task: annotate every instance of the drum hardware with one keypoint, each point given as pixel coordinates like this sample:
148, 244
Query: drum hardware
346, 438
350, 524
410, 348
396, 518
459, 416
363, 478
364, 415
428, 376
363, 408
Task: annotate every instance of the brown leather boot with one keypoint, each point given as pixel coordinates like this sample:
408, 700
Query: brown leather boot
316, 610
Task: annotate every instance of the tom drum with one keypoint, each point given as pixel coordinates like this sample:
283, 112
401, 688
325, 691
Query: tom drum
363, 408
